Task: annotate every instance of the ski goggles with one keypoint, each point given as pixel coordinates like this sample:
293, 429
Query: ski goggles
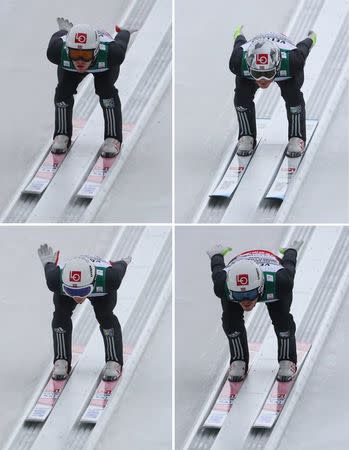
78, 291
248, 295
85, 55
265, 75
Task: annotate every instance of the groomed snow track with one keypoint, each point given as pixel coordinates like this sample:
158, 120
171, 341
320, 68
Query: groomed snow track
326, 252
144, 78
322, 89
142, 298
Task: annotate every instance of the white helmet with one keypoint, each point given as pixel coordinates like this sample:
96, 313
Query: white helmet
263, 58
83, 37
78, 277
245, 280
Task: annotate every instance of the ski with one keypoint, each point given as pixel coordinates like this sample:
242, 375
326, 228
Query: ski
50, 165
287, 169
235, 169
96, 177
279, 393
99, 171
100, 398
45, 173
227, 395
51, 392
232, 176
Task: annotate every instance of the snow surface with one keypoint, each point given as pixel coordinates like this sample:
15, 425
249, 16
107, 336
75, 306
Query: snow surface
29, 81
205, 112
320, 419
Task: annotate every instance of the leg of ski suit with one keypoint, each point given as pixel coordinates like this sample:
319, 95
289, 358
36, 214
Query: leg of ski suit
285, 329
295, 105
110, 102
62, 327
282, 319
245, 91
109, 326
64, 100
234, 328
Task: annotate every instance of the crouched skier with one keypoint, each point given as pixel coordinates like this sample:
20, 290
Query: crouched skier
256, 276
81, 278
257, 63
77, 51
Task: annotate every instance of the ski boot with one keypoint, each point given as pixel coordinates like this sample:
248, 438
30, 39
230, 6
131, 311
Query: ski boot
245, 146
60, 144
295, 147
237, 371
60, 369
112, 371
110, 148
287, 370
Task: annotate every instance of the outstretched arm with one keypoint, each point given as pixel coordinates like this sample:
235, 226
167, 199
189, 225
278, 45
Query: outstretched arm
236, 56
53, 277
299, 56
219, 275
117, 49
116, 273
55, 47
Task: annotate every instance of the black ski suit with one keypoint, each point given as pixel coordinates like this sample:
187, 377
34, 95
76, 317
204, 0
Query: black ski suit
104, 86
246, 88
103, 306
279, 311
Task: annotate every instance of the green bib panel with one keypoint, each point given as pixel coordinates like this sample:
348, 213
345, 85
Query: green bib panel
269, 293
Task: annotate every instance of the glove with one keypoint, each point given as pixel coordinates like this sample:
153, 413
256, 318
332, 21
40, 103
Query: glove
47, 255
64, 24
313, 36
295, 245
130, 30
238, 31
218, 249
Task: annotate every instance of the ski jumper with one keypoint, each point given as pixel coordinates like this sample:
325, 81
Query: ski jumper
103, 299
289, 78
278, 285
105, 70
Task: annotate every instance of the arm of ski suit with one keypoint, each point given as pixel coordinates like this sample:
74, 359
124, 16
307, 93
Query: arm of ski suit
53, 277
219, 275
299, 56
55, 47
117, 49
285, 276
115, 274
236, 56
